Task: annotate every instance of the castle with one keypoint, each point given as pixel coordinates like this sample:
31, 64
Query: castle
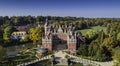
60, 35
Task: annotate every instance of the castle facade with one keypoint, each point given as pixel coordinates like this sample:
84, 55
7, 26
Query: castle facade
58, 35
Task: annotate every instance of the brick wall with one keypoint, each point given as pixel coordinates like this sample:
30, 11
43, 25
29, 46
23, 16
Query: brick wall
71, 46
62, 36
48, 46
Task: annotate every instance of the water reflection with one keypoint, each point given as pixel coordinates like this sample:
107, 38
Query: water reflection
15, 49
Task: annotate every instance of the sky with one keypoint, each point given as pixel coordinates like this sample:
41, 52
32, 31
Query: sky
75, 8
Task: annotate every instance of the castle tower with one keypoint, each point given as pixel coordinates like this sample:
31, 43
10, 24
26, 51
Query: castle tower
71, 42
47, 42
46, 27
47, 39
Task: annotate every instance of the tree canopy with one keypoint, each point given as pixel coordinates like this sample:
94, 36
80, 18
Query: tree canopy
118, 36
35, 34
116, 56
108, 43
7, 33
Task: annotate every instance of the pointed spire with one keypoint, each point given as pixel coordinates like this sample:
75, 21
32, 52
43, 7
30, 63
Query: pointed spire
60, 29
46, 19
46, 23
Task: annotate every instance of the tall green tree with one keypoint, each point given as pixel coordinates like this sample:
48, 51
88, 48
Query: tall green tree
100, 55
93, 47
101, 36
116, 56
83, 50
91, 34
7, 33
118, 36
35, 34
108, 43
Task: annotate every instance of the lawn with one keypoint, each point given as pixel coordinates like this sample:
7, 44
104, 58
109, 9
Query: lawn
95, 28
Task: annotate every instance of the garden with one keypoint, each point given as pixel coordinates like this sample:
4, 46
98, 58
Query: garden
25, 54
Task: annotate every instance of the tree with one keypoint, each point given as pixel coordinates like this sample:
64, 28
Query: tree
35, 34
1, 36
101, 55
93, 47
2, 52
16, 20
118, 36
83, 50
55, 24
7, 33
116, 56
91, 34
108, 28
101, 36
108, 43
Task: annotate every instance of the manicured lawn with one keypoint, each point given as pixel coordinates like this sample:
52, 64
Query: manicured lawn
95, 28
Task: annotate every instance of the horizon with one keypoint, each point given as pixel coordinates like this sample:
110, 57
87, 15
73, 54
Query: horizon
59, 16
62, 8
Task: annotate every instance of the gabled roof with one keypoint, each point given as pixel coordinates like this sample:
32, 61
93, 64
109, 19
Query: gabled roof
21, 28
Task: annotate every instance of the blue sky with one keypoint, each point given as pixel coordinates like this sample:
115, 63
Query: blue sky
78, 8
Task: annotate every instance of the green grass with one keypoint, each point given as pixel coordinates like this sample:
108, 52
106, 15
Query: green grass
95, 28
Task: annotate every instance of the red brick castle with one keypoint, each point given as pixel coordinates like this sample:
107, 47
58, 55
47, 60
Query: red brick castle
55, 36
